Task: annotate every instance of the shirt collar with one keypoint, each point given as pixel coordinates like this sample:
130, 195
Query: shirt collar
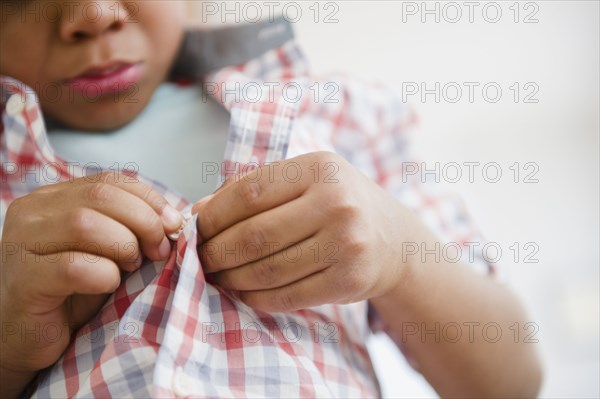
217, 57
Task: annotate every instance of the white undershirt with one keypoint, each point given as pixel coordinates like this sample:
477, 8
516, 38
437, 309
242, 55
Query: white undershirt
177, 140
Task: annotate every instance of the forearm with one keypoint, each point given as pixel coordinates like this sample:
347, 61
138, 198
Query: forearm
441, 300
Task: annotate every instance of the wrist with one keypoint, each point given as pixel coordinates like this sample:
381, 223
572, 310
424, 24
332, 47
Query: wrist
406, 265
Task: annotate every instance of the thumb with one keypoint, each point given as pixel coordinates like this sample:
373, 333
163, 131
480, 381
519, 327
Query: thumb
72, 272
198, 205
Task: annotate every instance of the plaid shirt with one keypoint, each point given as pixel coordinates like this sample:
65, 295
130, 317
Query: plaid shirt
166, 331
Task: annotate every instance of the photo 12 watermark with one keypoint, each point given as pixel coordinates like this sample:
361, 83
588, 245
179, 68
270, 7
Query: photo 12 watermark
469, 331
54, 11
291, 92
453, 12
128, 172
519, 172
276, 332
251, 12
470, 92
469, 252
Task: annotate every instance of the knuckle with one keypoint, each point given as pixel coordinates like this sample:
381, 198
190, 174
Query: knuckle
345, 206
328, 156
147, 193
265, 273
98, 193
207, 222
284, 301
355, 243
255, 237
157, 202
16, 207
109, 177
211, 256
205, 259
152, 224
250, 193
82, 221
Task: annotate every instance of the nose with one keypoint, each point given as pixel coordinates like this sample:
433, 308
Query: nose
83, 20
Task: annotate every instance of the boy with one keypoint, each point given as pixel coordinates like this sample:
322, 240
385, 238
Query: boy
264, 292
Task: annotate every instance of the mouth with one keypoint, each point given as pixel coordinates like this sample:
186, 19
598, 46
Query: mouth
105, 79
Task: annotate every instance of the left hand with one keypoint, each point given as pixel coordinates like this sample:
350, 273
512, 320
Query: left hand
304, 232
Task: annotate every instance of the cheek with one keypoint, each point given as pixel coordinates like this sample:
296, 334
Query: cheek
23, 50
162, 23
157, 33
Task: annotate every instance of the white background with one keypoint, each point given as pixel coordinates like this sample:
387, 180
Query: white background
560, 54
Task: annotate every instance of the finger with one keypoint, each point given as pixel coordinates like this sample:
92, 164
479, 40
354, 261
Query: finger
171, 219
130, 211
258, 191
228, 182
261, 235
285, 267
89, 231
72, 272
196, 207
317, 289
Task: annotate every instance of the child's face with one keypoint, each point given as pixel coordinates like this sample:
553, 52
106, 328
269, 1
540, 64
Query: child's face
93, 64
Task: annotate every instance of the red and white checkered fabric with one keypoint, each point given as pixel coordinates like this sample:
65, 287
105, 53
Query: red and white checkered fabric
166, 331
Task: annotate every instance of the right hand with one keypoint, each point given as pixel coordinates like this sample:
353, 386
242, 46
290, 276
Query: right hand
63, 249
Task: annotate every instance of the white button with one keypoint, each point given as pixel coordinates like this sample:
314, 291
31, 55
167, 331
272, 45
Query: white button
15, 104
181, 383
175, 236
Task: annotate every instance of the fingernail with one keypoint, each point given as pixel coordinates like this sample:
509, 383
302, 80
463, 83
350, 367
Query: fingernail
164, 250
171, 217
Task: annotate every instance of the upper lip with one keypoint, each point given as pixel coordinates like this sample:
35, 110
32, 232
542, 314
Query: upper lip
101, 70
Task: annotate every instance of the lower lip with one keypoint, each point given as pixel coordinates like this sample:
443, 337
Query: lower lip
97, 86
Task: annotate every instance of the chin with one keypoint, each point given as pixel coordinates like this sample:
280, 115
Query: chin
101, 116
108, 120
